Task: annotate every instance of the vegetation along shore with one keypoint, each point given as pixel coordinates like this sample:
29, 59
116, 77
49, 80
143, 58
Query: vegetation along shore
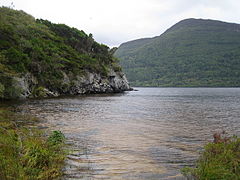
39, 58
27, 152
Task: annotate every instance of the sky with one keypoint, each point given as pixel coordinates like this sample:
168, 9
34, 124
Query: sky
113, 22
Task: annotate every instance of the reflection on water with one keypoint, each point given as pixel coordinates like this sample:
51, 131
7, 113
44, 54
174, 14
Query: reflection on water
145, 134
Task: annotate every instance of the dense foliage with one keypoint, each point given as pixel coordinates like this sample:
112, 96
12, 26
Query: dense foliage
27, 153
193, 52
47, 51
220, 160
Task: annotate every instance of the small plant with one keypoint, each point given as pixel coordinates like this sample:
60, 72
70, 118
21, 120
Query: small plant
39, 92
220, 160
57, 137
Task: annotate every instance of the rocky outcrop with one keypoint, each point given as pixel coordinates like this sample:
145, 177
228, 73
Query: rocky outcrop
95, 83
87, 83
53, 59
24, 85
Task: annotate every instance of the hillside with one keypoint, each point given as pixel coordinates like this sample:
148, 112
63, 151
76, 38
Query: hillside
39, 58
193, 52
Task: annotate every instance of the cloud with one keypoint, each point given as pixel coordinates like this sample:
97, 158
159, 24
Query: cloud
116, 21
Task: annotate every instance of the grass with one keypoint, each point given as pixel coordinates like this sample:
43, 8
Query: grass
27, 153
220, 160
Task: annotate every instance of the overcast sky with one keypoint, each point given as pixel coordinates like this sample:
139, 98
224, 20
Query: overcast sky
113, 22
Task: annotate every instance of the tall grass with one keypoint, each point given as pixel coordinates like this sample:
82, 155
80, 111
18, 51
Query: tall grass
27, 153
220, 160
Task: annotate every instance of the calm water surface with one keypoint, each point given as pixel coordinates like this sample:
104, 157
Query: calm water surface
146, 134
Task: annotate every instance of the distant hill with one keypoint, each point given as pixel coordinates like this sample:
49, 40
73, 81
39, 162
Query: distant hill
39, 58
193, 52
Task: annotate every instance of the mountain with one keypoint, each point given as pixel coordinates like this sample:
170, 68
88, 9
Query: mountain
39, 58
192, 53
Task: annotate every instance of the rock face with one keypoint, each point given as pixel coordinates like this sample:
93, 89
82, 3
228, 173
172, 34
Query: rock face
88, 83
95, 83
25, 85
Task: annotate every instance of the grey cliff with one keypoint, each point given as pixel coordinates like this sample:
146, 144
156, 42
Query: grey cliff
87, 83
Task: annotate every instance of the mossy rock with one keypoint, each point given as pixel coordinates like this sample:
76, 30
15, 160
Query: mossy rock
40, 92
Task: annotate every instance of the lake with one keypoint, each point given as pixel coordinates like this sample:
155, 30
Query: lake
146, 134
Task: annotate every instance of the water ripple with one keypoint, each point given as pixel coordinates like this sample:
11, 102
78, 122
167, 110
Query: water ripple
145, 134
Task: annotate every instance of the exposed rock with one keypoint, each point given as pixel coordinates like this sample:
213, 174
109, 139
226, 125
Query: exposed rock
25, 84
85, 84
47, 93
95, 83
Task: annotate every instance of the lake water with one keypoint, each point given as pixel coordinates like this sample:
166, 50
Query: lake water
146, 134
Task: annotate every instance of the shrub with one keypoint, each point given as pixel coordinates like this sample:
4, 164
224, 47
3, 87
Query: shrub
9, 88
220, 160
39, 92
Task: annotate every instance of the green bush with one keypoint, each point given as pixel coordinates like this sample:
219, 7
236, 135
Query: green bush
39, 92
9, 89
57, 137
17, 60
220, 160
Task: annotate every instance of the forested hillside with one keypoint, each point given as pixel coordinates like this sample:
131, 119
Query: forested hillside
38, 57
193, 52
